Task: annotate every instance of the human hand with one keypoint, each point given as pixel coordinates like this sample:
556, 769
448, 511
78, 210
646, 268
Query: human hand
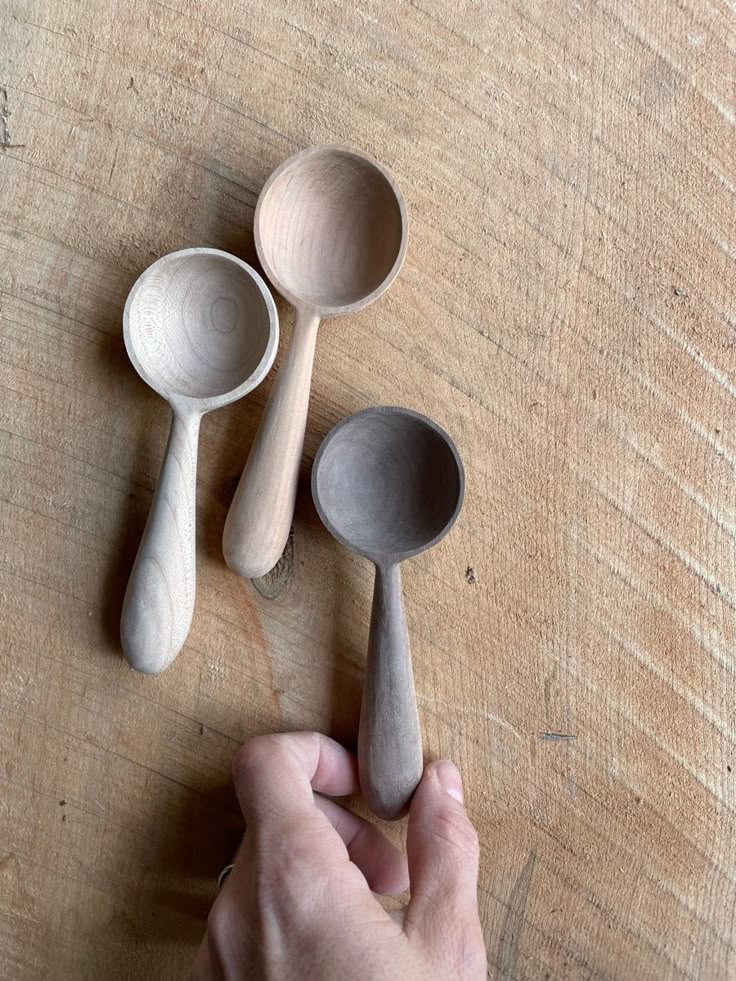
299, 902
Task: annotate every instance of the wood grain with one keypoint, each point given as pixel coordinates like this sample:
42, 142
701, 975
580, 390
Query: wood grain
200, 327
159, 599
566, 311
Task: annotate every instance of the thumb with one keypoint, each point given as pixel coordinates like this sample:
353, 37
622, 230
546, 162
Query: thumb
442, 848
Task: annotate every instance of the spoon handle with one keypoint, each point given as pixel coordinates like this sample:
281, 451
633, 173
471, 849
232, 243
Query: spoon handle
260, 516
159, 600
389, 740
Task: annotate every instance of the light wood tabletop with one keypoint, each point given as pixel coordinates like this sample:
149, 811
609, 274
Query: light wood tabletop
566, 312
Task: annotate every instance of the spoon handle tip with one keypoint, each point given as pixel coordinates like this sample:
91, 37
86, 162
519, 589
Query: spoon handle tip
159, 599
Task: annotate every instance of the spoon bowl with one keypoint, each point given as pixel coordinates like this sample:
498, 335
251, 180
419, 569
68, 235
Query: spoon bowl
331, 234
388, 483
201, 329
330, 229
198, 325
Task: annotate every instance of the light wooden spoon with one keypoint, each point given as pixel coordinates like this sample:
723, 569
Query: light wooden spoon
388, 483
201, 328
331, 234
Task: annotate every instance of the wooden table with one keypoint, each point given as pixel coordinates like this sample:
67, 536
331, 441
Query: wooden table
566, 312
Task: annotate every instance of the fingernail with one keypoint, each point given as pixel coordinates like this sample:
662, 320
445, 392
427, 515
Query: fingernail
450, 780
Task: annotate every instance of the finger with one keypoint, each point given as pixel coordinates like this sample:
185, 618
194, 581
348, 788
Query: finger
383, 865
275, 775
443, 850
202, 967
227, 948
398, 916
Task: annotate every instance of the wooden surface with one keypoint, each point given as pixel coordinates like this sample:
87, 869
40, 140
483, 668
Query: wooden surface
566, 312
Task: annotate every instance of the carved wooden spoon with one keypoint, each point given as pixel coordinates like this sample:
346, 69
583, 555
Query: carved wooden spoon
331, 234
388, 483
201, 329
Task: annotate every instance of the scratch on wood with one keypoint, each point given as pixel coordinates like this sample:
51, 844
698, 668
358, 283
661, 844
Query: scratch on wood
680, 688
114, 161
660, 538
4, 114
716, 373
557, 737
513, 925
651, 387
631, 440
709, 640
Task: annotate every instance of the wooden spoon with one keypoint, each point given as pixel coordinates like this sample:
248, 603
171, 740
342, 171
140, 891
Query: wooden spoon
388, 483
201, 329
331, 234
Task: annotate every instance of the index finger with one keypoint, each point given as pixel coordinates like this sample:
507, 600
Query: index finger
276, 775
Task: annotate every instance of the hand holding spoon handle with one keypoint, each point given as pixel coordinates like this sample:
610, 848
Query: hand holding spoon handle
389, 740
259, 519
159, 600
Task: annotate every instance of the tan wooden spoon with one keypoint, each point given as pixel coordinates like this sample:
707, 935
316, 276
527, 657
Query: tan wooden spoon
388, 483
331, 234
201, 328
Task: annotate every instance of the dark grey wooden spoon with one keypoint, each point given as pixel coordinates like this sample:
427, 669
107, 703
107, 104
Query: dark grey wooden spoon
388, 483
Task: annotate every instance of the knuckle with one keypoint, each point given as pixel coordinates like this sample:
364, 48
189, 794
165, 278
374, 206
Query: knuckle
257, 754
282, 873
218, 926
297, 858
455, 827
